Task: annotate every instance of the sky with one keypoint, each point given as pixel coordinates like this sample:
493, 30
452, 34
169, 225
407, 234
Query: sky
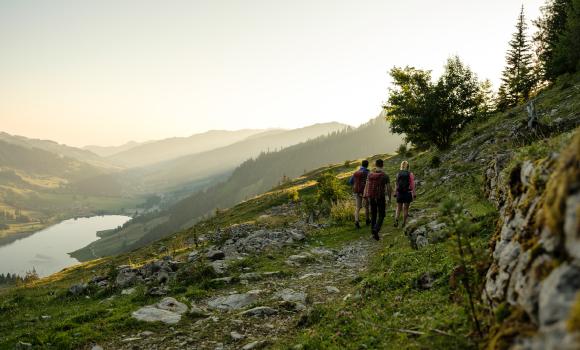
106, 72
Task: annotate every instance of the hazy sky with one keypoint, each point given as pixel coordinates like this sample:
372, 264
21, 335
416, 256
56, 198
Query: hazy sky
108, 71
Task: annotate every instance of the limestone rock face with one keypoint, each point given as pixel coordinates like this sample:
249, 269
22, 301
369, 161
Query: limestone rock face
536, 249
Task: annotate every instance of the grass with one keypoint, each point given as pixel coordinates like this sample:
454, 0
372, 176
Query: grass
387, 308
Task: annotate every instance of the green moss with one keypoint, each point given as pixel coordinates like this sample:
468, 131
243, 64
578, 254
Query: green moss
573, 323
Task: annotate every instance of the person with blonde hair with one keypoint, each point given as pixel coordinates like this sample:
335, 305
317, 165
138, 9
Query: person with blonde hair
404, 191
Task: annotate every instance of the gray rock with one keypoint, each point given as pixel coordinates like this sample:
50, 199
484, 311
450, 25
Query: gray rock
332, 289
308, 275
162, 277
234, 301
572, 225
96, 347
170, 304
197, 312
291, 295
193, 256
236, 336
323, 252
219, 266
255, 345
558, 293
251, 276
215, 255
259, 311
527, 170
158, 291
421, 242
126, 278
78, 289
128, 291
226, 280
153, 314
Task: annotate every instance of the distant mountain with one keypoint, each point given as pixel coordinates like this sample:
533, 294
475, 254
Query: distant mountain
252, 177
107, 151
39, 162
57, 149
192, 168
162, 150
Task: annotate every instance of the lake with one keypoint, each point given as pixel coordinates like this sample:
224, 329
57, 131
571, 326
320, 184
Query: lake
47, 250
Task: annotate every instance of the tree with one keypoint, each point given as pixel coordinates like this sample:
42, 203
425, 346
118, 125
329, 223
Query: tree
431, 113
566, 55
517, 78
550, 26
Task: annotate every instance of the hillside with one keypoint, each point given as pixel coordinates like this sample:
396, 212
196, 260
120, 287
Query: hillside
166, 149
37, 188
78, 154
249, 179
106, 151
260, 274
188, 171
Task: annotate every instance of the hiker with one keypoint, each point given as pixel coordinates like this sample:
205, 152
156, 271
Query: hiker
358, 181
377, 191
404, 191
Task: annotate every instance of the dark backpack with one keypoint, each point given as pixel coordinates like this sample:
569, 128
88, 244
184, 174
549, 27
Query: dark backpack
359, 181
375, 185
403, 181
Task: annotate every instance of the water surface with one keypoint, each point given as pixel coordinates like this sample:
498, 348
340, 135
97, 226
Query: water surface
47, 250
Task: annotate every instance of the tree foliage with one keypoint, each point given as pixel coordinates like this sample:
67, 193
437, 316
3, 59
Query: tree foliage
566, 55
518, 78
550, 27
430, 113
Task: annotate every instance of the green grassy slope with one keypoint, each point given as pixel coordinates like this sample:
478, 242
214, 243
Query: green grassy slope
387, 307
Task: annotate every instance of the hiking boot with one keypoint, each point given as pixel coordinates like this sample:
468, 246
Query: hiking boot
376, 235
368, 222
357, 225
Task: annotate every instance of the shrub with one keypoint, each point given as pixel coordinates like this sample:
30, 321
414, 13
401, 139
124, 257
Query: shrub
342, 211
293, 195
403, 150
329, 189
435, 161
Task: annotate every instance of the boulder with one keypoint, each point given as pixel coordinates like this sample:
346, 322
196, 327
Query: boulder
332, 289
219, 266
126, 278
259, 311
154, 314
197, 312
558, 293
170, 304
291, 295
78, 289
234, 301
215, 255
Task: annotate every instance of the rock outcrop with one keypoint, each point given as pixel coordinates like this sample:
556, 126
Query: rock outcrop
535, 273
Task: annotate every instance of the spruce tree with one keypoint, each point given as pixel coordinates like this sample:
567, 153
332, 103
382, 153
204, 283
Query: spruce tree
550, 26
566, 56
517, 78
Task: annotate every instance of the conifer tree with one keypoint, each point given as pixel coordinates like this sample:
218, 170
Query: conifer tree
566, 56
550, 26
517, 78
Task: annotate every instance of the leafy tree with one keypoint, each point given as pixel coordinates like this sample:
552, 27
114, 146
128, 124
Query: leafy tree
517, 78
329, 189
566, 55
550, 26
431, 113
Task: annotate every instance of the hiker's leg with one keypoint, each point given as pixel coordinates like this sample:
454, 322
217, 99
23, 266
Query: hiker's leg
358, 200
405, 212
366, 205
382, 209
373, 212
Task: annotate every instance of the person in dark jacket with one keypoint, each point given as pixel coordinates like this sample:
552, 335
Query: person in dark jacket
404, 191
378, 191
358, 181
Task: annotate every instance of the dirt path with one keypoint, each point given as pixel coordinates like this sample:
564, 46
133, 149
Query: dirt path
321, 275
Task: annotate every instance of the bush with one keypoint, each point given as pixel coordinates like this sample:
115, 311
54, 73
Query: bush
342, 211
402, 149
330, 189
435, 161
293, 195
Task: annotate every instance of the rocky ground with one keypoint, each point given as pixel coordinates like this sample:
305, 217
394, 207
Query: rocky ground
253, 308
